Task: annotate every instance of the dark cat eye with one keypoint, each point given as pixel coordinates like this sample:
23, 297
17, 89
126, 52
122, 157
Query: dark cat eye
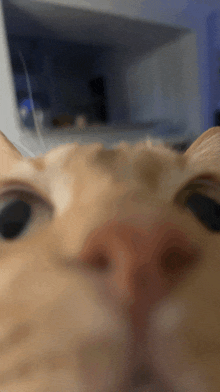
14, 217
205, 209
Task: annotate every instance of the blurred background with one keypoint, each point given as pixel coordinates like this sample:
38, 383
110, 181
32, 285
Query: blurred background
109, 70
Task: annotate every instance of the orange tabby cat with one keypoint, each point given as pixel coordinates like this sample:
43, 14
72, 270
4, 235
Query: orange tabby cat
110, 268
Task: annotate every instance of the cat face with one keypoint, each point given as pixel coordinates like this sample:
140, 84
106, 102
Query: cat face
110, 268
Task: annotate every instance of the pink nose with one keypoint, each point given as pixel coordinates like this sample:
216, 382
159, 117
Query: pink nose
140, 264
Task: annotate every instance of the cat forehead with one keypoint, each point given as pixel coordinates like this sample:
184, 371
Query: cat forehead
142, 161
73, 168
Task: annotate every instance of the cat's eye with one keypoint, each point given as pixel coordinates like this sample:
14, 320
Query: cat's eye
14, 217
21, 212
205, 209
202, 198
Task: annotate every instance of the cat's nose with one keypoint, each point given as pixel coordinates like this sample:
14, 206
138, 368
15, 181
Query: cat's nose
140, 263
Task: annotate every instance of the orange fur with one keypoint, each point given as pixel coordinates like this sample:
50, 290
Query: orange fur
113, 278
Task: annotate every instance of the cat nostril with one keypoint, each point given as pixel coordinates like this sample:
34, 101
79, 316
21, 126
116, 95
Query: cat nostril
177, 260
100, 262
98, 259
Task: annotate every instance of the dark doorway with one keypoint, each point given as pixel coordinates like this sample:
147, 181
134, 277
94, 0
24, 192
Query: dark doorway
217, 118
98, 92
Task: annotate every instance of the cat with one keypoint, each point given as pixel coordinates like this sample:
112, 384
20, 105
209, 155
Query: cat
110, 268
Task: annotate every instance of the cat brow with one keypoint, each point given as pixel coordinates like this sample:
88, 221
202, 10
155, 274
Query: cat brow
13, 184
38, 163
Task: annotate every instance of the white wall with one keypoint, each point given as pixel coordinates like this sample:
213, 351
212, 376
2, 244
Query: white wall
164, 86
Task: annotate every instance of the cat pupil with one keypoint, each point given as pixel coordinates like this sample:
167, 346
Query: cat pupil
206, 210
13, 219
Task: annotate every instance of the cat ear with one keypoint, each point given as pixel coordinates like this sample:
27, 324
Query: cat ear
207, 143
8, 154
203, 156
